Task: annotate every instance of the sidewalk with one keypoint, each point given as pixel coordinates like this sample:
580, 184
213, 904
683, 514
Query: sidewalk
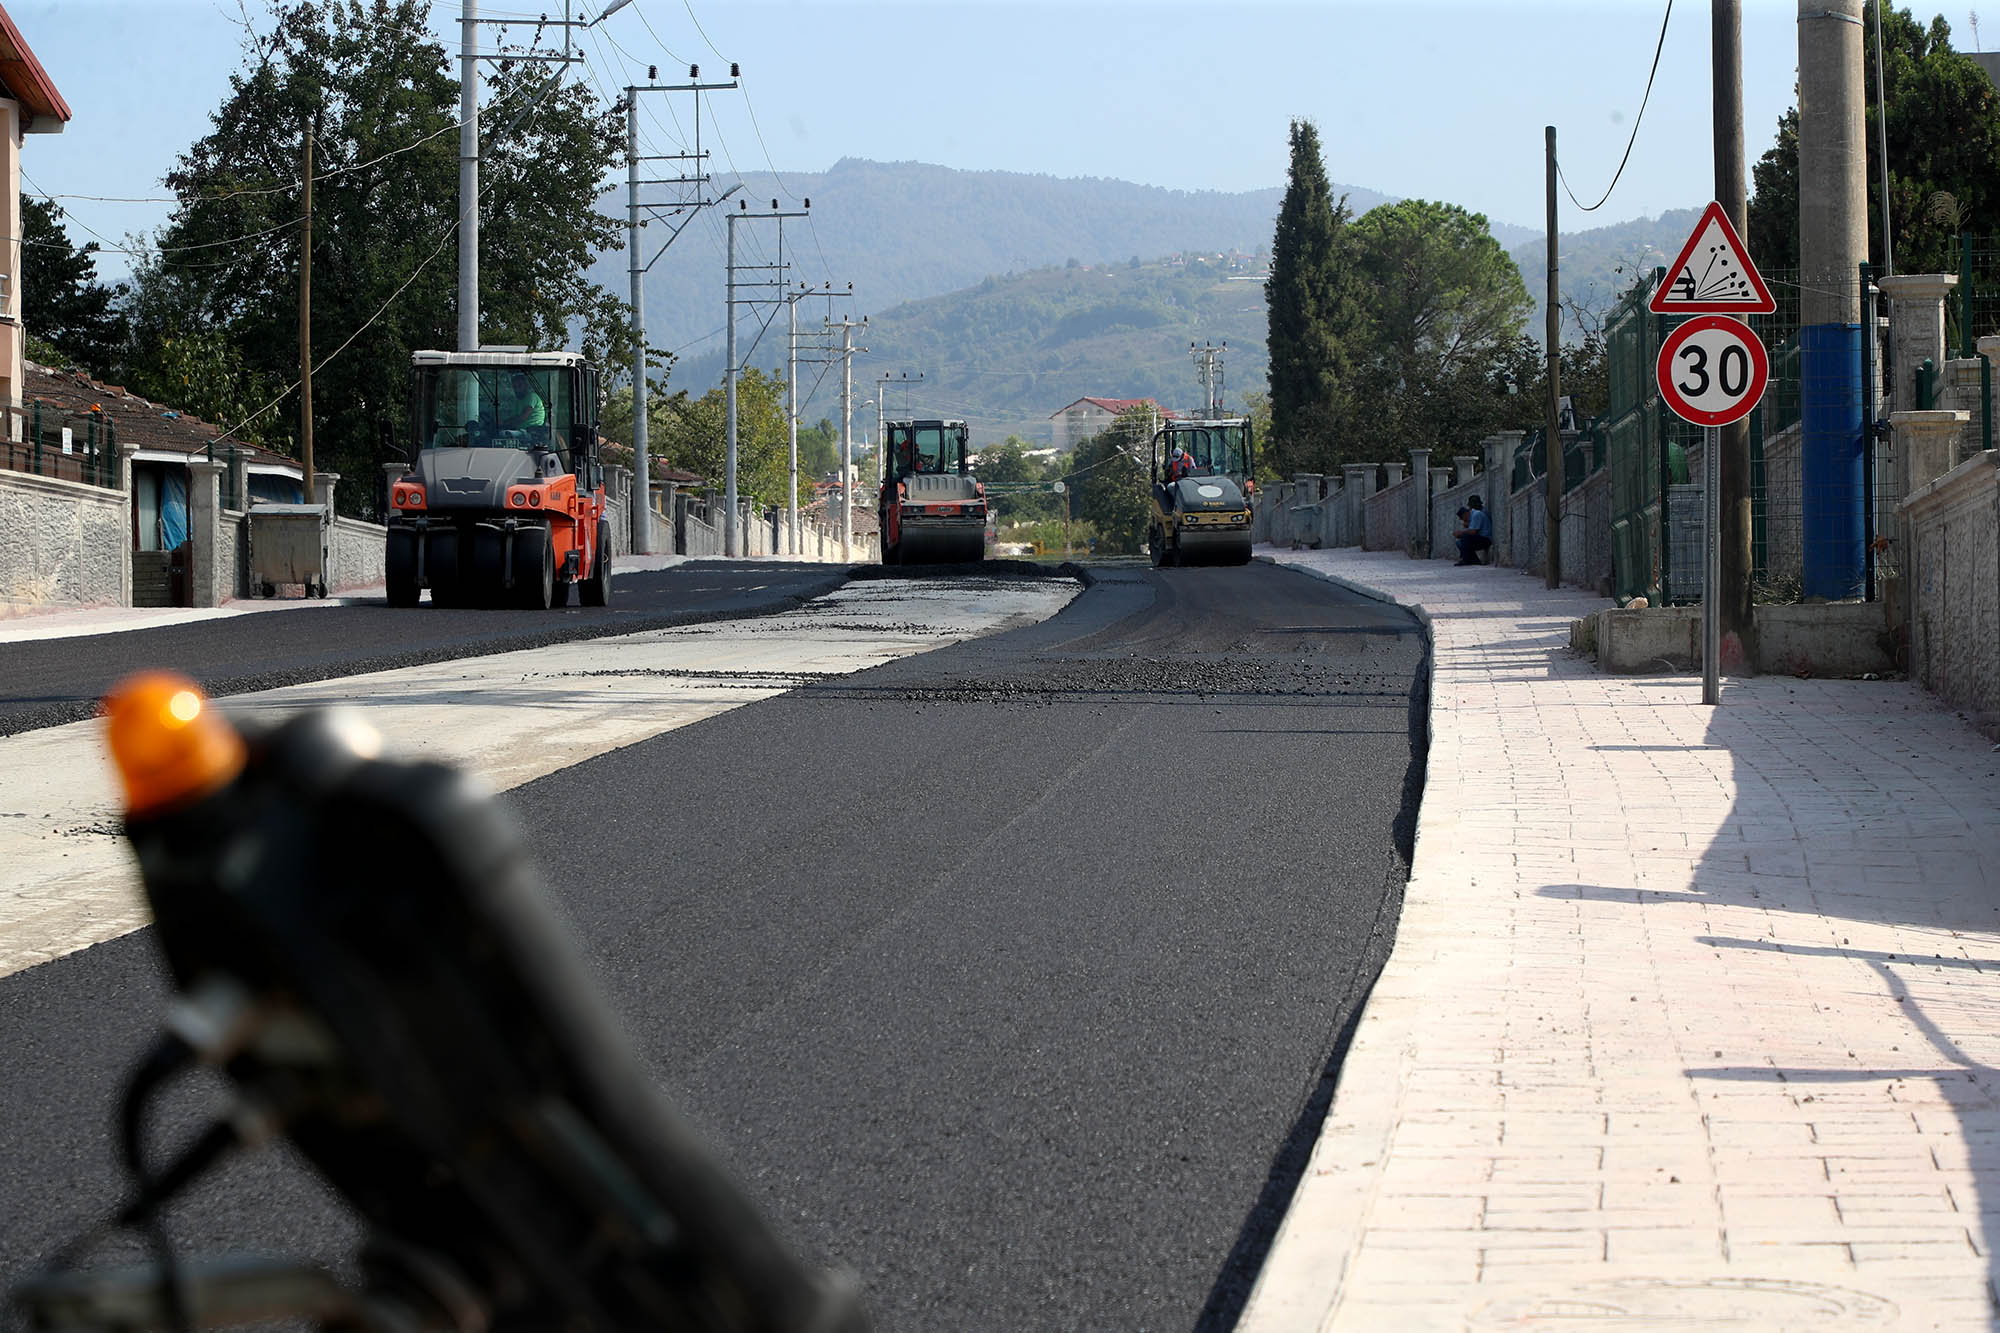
75, 622
1693, 1015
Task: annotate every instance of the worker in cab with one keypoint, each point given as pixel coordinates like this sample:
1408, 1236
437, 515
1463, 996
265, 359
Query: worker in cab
1179, 464
521, 408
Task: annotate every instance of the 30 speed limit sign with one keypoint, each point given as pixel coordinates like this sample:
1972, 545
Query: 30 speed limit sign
1712, 370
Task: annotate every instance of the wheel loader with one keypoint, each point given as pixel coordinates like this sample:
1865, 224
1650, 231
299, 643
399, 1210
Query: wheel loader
503, 503
932, 510
1202, 484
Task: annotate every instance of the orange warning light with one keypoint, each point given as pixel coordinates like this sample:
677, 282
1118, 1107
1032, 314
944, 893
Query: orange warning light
170, 746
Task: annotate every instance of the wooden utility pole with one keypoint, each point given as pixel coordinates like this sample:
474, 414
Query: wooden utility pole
1552, 331
305, 326
1734, 622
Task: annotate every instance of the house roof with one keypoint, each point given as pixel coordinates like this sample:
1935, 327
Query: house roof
27, 82
71, 398
1115, 405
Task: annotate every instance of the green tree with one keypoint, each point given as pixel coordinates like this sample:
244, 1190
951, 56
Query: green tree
693, 434
1315, 315
1446, 306
62, 302
1944, 154
1008, 464
819, 448
1108, 484
372, 86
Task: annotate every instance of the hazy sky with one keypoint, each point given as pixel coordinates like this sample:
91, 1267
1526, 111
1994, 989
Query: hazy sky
1412, 97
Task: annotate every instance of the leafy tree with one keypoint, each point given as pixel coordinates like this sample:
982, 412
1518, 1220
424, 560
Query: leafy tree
1445, 306
1314, 311
819, 448
1108, 484
1008, 464
62, 303
372, 86
693, 434
1944, 153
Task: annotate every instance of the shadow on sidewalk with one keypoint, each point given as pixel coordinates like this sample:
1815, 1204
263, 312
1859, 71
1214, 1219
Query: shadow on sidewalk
1862, 840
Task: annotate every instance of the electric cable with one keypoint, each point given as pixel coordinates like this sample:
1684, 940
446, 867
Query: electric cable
1636, 122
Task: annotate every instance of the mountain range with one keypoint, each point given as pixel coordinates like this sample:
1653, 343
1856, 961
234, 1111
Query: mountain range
1011, 294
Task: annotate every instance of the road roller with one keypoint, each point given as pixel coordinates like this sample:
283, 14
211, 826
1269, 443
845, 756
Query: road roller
1202, 485
503, 503
932, 510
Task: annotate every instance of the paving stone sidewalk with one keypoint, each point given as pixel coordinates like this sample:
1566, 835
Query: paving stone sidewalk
1693, 1015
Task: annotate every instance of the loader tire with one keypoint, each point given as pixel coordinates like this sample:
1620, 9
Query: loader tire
596, 590
534, 569
399, 568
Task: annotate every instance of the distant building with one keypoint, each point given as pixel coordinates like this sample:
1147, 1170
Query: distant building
1087, 416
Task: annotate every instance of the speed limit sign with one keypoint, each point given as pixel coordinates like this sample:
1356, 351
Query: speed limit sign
1712, 370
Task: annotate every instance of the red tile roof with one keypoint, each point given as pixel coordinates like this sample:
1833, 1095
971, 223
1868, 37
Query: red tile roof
24, 76
70, 397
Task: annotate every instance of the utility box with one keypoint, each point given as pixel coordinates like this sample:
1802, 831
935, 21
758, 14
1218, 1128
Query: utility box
288, 544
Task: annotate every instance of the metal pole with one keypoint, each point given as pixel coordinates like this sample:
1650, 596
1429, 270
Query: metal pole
468, 176
642, 462
1711, 589
729, 398
792, 420
1882, 145
847, 439
305, 327
1733, 477
1552, 330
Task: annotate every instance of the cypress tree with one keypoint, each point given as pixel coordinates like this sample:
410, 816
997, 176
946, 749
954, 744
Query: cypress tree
1313, 311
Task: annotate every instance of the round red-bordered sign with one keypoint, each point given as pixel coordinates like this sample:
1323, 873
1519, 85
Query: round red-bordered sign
1712, 370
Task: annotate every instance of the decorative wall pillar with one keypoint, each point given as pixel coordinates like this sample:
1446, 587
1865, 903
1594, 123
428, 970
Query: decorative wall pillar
205, 533
1916, 329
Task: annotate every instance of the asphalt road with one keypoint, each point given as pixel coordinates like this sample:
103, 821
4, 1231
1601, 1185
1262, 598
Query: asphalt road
1011, 976
45, 682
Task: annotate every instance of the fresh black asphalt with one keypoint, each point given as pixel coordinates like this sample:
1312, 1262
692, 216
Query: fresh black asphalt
1012, 976
45, 682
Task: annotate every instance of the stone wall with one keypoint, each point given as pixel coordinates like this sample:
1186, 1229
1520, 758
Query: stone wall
1586, 529
62, 543
1390, 524
1953, 579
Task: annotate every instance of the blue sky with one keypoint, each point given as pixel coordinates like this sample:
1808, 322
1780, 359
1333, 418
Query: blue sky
1412, 97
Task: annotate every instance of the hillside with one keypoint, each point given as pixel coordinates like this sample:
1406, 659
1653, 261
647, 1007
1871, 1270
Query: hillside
1600, 264
1007, 354
903, 231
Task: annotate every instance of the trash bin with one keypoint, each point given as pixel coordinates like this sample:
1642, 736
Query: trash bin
288, 544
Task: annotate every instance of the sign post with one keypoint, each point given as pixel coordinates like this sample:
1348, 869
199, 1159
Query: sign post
1712, 370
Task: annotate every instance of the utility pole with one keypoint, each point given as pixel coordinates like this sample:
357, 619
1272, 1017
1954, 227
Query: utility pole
305, 327
1552, 331
642, 462
847, 326
468, 175
730, 541
1208, 365
792, 424
1734, 619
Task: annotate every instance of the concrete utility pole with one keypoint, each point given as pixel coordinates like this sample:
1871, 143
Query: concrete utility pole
1833, 187
847, 351
305, 327
468, 175
1208, 365
1833, 241
1882, 144
642, 462
1552, 331
730, 544
1735, 621
792, 424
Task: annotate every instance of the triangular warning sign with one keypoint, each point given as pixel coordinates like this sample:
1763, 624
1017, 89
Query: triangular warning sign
1713, 275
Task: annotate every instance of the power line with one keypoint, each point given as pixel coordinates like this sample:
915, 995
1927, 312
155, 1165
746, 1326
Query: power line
1636, 122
